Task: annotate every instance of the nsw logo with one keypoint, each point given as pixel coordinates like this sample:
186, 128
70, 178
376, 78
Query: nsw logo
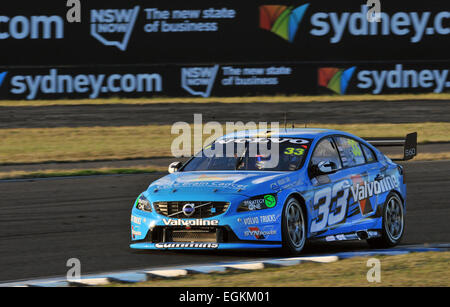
199, 81
281, 20
113, 27
335, 79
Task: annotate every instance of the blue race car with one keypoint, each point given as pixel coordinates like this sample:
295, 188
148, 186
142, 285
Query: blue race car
326, 185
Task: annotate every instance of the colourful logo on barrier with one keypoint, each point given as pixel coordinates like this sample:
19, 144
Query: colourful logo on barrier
282, 20
335, 79
2, 77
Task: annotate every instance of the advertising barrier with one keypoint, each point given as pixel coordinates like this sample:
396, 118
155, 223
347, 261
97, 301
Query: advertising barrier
202, 31
222, 80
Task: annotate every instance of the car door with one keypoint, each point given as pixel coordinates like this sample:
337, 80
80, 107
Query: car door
360, 171
330, 190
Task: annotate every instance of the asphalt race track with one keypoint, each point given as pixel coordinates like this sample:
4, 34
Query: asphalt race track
344, 112
45, 222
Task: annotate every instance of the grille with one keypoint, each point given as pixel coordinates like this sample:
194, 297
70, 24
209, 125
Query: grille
209, 234
193, 236
204, 209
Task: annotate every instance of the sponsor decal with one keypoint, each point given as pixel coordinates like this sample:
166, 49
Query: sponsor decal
362, 190
199, 81
373, 234
259, 202
202, 184
204, 180
340, 27
206, 20
268, 218
254, 76
251, 220
254, 231
89, 84
187, 245
341, 237
135, 233
335, 79
275, 187
34, 27
189, 223
410, 25
262, 219
110, 22
136, 220
263, 140
209, 178
254, 204
281, 20
283, 183
365, 205
350, 236
114, 27
400, 78
379, 80
270, 201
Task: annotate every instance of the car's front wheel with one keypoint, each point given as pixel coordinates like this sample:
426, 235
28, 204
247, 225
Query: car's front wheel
293, 227
393, 223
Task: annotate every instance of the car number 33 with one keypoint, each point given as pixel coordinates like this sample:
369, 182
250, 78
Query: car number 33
322, 200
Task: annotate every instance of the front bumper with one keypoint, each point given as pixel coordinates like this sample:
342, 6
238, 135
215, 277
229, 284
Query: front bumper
228, 230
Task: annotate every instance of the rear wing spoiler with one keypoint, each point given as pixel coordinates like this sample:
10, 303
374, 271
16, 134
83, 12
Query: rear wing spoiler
409, 144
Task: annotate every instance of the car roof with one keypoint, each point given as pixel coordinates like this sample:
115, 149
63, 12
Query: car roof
307, 133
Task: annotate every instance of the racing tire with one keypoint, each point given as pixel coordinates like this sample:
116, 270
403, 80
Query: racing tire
393, 225
293, 227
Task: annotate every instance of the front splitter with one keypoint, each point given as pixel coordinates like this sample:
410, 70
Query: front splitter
202, 246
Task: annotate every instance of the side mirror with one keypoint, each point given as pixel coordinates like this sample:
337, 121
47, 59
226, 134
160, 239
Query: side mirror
174, 167
326, 167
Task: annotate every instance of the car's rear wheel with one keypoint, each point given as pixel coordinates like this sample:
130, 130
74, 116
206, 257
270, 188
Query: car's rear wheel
293, 227
393, 223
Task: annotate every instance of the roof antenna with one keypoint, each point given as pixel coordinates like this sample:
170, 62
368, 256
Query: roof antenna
306, 124
285, 121
293, 125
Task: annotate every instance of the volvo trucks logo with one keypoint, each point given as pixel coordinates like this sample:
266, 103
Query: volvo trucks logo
188, 209
199, 81
113, 27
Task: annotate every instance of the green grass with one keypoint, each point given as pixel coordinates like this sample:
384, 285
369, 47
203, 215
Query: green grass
267, 99
416, 269
36, 145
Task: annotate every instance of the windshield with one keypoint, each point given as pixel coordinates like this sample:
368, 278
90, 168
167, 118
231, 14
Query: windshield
251, 154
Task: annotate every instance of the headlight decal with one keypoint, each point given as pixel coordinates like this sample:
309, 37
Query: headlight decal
143, 204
